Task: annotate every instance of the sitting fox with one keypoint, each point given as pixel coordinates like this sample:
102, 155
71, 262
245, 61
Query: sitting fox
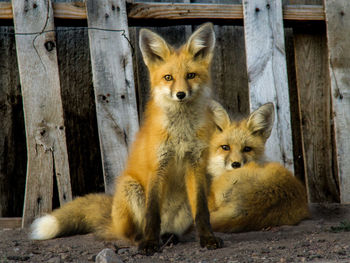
164, 187
248, 193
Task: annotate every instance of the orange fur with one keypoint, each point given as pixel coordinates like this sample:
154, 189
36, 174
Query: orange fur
164, 186
254, 194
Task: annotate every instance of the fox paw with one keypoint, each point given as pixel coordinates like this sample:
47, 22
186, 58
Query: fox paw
169, 238
211, 242
148, 247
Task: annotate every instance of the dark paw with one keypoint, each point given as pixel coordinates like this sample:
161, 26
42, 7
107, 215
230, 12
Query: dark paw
211, 242
148, 247
169, 238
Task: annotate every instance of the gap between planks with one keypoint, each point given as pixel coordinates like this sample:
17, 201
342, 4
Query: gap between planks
178, 11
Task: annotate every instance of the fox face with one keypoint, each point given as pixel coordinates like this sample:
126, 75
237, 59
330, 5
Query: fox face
236, 143
178, 75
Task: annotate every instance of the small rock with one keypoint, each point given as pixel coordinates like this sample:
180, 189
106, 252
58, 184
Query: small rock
55, 260
107, 255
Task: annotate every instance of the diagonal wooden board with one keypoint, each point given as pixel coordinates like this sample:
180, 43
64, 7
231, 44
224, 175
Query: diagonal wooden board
267, 72
338, 38
113, 78
45, 131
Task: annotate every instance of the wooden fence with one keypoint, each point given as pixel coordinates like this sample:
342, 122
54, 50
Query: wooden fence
83, 85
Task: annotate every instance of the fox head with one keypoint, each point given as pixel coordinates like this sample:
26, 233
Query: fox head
236, 143
178, 75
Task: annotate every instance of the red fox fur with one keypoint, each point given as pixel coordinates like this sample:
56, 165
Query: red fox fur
164, 187
248, 193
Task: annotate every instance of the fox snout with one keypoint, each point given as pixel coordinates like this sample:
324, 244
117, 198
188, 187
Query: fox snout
236, 165
180, 95
234, 161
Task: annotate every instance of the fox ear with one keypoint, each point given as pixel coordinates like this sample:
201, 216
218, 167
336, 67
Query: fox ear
153, 47
220, 116
261, 120
202, 42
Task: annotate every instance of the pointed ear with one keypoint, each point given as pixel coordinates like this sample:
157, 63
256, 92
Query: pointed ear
202, 42
153, 47
261, 121
220, 116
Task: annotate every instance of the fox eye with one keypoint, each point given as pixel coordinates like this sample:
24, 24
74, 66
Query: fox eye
168, 77
191, 75
247, 149
225, 147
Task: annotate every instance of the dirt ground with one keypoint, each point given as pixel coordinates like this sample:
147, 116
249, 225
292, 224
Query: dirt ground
323, 238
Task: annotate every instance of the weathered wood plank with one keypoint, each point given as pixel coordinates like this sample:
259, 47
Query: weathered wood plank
79, 109
267, 73
175, 11
10, 222
12, 135
338, 23
315, 111
113, 80
45, 131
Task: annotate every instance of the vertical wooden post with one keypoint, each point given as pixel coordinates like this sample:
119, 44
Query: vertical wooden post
113, 83
315, 113
45, 131
267, 72
338, 24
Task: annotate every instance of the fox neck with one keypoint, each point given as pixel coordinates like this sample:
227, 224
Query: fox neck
182, 122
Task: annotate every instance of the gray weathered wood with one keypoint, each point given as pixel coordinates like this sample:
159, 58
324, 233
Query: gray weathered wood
45, 131
315, 111
267, 73
338, 24
144, 11
10, 222
113, 83
12, 135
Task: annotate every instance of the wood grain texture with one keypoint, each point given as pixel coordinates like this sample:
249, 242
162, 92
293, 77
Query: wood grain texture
45, 131
267, 72
315, 111
13, 158
79, 111
114, 87
10, 222
338, 22
79, 108
176, 11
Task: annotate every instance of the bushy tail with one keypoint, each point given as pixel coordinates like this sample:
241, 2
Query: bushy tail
90, 213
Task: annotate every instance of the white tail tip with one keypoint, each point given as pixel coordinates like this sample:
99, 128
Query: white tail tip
45, 227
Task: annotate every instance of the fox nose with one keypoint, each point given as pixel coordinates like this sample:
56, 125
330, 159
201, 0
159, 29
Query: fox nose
235, 165
180, 95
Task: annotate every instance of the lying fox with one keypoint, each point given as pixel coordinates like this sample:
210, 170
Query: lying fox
164, 187
248, 193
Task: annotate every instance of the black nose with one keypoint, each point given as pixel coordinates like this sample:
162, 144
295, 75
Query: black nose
235, 165
180, 95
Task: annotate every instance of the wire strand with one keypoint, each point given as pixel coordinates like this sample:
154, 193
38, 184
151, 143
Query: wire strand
122, 31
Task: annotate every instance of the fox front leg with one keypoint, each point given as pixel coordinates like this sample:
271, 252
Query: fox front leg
151, 231
150, 242
197, 188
